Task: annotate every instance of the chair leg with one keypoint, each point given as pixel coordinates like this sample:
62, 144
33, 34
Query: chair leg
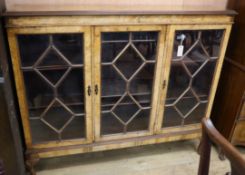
199, 148
204, 151
234, 171
221, 154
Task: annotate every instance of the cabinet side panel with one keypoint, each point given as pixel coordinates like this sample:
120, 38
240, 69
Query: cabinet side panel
19, 86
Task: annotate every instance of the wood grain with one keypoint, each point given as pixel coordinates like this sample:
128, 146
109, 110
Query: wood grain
218, 69
232, 84
166, 70
15, 56
242, 113
97, 80
19, 82
101, 20
93, 26
230, 91
157, 86
211, 135
238, 137
109, 145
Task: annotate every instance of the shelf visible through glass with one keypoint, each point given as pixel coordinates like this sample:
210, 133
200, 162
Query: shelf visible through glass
127, 68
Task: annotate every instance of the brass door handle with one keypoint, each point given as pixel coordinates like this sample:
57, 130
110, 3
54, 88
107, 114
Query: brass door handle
96, 89
89, 90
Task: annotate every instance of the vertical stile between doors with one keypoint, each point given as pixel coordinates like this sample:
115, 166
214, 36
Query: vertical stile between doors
165, 71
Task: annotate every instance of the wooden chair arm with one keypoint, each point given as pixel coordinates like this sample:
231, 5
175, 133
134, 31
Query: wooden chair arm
228, 149
211, 135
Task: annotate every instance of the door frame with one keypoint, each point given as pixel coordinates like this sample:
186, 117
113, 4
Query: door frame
20, 86
166, 73
96, 69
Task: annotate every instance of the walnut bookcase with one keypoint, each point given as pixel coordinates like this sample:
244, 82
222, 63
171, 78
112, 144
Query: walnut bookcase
97, 82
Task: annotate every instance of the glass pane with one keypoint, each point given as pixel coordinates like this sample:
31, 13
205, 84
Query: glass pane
71, 46
128, 61
39, 93
58, 49
71, 90
31, 48
52, 67
191, 76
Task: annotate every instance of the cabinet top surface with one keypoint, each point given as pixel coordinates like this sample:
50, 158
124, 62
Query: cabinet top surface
119, 15
115, 10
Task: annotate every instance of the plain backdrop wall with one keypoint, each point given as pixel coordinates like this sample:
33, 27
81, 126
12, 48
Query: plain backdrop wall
214, 4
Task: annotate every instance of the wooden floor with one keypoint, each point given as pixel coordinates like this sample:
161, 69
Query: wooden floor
177, 158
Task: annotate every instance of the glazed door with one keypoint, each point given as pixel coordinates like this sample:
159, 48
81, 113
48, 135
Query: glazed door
126, 71
52, 67
194, 59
